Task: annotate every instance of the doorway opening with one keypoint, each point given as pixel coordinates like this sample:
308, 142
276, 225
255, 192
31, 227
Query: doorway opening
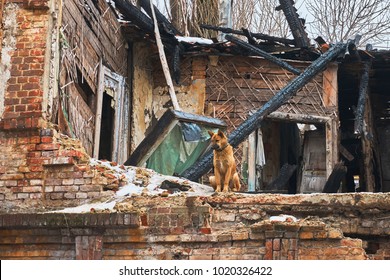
107, 128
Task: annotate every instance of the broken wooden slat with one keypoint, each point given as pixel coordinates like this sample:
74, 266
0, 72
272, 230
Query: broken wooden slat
253, 122
164, 63
363, 88
301, 118
252, 162
98, 118
160, 17
345, 153
264, 54
296, 26
255, 35
135, 15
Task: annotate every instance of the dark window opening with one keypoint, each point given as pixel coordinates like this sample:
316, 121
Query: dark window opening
85, 91
107, 128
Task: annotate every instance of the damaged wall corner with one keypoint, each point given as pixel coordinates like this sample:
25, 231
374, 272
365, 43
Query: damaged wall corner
142, 115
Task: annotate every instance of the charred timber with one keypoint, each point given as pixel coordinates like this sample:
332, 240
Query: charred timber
296, 25
254, 35
168, 26
333, 183
363, 87
264, 54
253, 122
135, 15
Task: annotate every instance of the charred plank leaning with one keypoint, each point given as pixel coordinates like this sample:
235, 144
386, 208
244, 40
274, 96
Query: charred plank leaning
260, 36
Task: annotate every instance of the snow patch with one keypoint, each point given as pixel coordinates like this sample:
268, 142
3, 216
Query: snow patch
147, 182
193, 40
283, 218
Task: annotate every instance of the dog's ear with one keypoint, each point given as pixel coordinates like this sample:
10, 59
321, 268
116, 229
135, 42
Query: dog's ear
210, 133
220, 133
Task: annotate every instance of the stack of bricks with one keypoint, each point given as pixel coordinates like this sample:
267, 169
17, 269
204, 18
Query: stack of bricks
48, 167
307, 240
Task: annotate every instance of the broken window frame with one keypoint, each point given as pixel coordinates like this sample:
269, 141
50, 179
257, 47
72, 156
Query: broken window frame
114, 85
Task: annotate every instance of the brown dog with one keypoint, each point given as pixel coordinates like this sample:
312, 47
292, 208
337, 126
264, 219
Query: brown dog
224, 164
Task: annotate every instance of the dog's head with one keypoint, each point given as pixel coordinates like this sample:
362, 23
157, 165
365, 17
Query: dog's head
219, 140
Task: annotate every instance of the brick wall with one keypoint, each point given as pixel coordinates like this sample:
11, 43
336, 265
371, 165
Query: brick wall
26, 48
36, 162
47, 168
190, 228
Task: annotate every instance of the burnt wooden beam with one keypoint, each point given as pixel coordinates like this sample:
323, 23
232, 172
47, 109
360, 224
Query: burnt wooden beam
168, 26
333, 183
264, 54
253, 121
284, 176
249, 36
363, 92
135, 15
296, 24
254, 35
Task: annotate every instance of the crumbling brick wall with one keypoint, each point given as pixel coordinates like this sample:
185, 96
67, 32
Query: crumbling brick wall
36, 162
213, 228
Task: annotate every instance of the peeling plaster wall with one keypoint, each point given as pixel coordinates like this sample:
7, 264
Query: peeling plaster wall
191, 91
52, 60
10, 28
142, 93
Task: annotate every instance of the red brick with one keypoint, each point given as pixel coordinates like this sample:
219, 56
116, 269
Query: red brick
268, 249
34, 175
22, 94
144, 220
16, 87
205, 230
48, 147
36, 168
349, 242
276, 244
306, 235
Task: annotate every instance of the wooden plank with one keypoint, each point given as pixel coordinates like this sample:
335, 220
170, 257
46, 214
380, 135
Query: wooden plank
298, 117
252, 162
330, 85
99, 106
164, 62
260, 160
332, 144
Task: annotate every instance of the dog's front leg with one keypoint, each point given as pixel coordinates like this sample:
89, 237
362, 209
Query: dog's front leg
217, 180
226, 180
